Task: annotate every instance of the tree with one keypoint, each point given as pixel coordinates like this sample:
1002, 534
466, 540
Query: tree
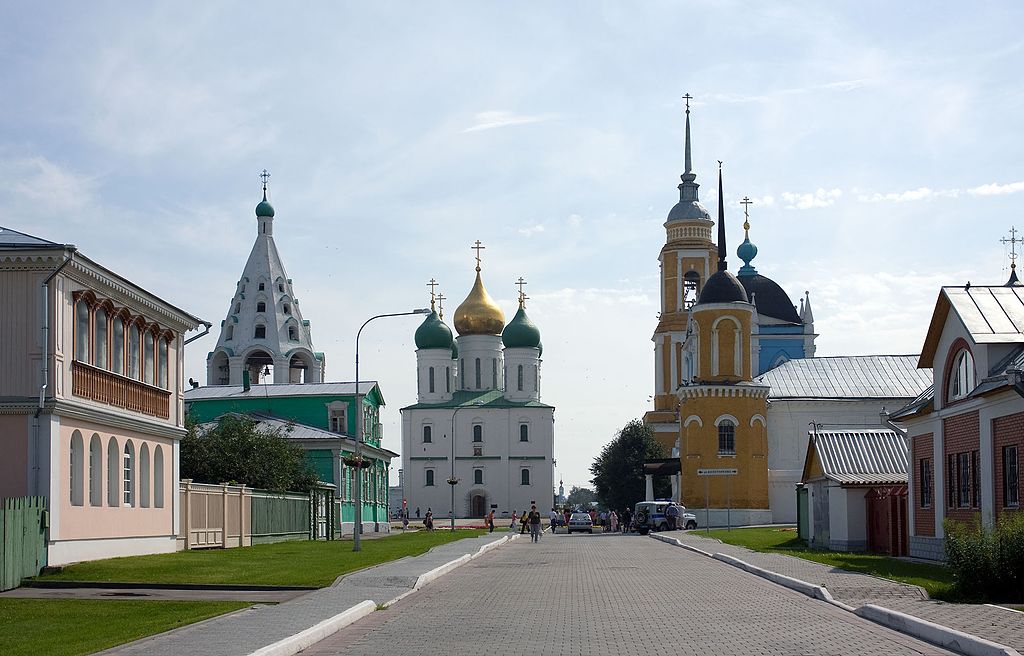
619, 469
580, 496
237, 450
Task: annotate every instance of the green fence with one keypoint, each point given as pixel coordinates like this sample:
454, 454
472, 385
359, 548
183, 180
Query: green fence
279, 517
23, 543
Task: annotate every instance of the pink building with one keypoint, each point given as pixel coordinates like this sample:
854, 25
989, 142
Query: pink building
91, 400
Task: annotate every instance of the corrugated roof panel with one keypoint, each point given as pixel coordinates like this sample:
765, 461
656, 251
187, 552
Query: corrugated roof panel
968, 311
278, 389
1010, 300
859, 376
862, 455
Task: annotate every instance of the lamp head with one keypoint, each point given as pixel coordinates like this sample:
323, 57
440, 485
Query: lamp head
421, 311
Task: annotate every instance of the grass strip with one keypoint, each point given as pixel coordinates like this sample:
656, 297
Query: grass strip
69, 627
305, 563
936, 579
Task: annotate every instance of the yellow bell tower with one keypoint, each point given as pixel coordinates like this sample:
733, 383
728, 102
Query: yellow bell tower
686, 263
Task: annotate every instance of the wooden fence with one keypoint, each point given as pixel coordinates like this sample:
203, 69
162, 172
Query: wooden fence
23, 523
279, 517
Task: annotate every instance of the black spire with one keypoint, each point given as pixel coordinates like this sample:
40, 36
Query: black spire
722, 265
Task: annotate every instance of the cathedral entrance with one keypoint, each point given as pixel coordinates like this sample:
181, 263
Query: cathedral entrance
478, 505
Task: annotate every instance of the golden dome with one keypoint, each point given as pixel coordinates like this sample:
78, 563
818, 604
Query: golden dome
479, 314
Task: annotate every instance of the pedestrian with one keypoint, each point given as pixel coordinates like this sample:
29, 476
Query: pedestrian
512, 526
534, 519
627, 517
417, 512
523, 520
555, 516
405, 520
613, 520
672, 513
490, 521
428, 521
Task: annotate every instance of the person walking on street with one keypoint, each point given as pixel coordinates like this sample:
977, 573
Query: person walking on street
523, 522
672, 513
490, 522
512, 526
555, 516
613, 521
417, 512
428, 521
534, 519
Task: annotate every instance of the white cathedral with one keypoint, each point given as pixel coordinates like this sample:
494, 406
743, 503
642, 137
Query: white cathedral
478, 438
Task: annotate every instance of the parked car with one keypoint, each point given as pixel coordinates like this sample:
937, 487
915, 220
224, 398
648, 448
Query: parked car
581, 522
650, 516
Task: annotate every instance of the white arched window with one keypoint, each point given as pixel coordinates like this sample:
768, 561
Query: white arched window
478, 373
133, 353
128, 475
961, 376
478, 433
144, 475
519, 378
726, 437
100, 321
427, 435
430, 376
113, 473
117, 345
524, 476
229, 333
524, 433
158, 477
77, 493
164, 363
95, 471
149, 357
82, 331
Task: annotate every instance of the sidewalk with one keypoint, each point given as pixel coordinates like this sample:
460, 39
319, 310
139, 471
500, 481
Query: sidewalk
245, 631
990, 622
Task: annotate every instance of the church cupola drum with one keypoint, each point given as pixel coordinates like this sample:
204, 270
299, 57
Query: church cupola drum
264, 334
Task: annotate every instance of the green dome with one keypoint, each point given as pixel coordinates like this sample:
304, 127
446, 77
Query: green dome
265, 209
432, 333
455, 350
521, 332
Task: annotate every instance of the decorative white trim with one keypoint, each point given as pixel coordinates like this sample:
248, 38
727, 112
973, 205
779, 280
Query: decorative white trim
734, 420
759, 418
691, 419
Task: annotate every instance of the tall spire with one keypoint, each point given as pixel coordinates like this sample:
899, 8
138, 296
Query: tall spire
722, 265
688, 172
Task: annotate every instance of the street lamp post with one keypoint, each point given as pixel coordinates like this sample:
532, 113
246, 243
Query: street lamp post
452, 482
358, 528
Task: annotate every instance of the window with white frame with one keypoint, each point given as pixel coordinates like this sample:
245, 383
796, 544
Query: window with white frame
478, 477
962, 375
82, 331
726, 438
77, 484
427, 434
524, 476
524, 433
128, 489
429, 478
337, 420
478, 433
95, 471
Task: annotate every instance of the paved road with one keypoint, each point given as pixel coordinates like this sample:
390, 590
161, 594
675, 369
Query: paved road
610, 595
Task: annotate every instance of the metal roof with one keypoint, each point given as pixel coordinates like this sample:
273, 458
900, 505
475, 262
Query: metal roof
874, 456
921, 403
848, 377
278, 389
485, 399
296, 431
991, 314
14, 239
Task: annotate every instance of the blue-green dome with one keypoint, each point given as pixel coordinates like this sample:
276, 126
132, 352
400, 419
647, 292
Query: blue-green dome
455, 350
747, 252
521, 332
265, 208
432, 333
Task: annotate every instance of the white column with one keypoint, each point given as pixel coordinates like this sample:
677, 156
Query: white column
649, 478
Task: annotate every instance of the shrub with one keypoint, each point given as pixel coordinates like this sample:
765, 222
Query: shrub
987, 565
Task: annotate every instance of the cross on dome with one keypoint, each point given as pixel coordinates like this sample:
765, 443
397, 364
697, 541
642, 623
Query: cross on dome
522, 295
433, 287
441, 298
477, 246
1012, 241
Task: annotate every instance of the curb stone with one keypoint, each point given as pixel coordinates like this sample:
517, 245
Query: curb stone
317, 632
936, 634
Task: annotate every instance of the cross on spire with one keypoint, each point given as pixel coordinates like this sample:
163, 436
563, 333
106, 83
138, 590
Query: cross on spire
1013, 240
522, 295
746, 203
687, 98
264, 177
477, 246
433, 287
441, 298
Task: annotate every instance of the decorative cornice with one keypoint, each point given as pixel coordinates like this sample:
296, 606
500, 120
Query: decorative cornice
75, 410
711, 390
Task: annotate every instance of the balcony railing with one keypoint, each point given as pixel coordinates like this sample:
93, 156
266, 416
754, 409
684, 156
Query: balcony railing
105, 387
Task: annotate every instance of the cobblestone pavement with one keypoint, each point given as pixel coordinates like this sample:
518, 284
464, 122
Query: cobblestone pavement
610, 595
243, 632
996, 624
156, 594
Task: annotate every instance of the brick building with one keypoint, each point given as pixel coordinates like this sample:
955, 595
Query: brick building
966, 430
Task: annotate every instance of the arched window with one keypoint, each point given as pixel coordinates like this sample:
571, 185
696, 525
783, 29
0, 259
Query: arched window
727, 438
77, 466
430, 478
260, 332
478, 433
293, 333
726, 343
524, 433
238, 308
128, 471
287, 308
150, 369
519, 378
144, 475
478, 373
494, 373
430, 382
100, 321
95, 471
961, 375
478, 477
536, 379
427, 434
462, 373
524, 476
229, 333
113, 473
447, 379
164, 364
261, 287
158, 477
261, 307
691, 281
133, 353
117, 345
81, 331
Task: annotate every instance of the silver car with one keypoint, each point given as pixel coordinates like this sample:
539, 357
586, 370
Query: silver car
581, 522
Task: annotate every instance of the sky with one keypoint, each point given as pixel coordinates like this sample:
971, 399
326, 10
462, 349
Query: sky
880, 142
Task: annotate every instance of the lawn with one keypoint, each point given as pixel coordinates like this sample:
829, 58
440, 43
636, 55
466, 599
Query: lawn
313, 564
936, 579
68, 627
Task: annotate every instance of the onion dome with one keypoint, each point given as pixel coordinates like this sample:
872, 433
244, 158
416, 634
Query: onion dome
433, 333
479, 314
770, 299
265, 209
521, 332
722, 287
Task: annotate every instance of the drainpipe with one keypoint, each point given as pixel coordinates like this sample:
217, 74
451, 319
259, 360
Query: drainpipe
202, 334
884, 417
46, 361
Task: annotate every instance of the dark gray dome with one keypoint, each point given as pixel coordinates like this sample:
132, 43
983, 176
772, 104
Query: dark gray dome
770, 299
688, 209
722, 287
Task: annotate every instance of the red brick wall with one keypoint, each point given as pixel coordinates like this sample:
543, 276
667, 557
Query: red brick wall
960, 434
1006, 431
924, 518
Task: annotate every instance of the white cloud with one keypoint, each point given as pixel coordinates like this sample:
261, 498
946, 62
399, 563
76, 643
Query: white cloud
819, 198
530, 231
48, 186
502, 119
841, 85
996, 189
921, 193
575, 220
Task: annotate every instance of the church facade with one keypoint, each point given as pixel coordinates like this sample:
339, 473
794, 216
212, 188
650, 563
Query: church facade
478, 438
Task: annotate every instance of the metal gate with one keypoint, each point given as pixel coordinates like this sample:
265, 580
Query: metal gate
23, 523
